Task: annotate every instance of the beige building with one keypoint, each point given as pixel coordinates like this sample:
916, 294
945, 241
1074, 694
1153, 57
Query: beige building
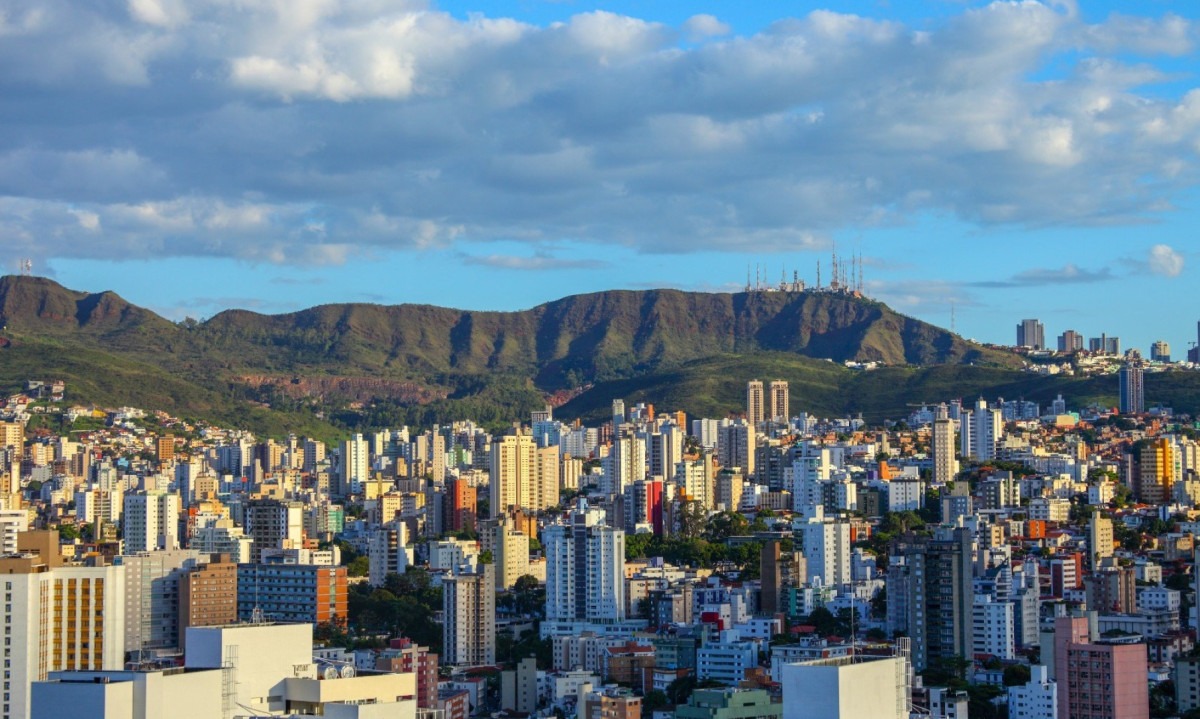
522, 475
56, 617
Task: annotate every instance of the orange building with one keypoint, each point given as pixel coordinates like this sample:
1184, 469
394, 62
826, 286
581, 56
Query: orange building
292, 593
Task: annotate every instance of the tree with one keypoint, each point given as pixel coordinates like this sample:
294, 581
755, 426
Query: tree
724, 525
1016, 675
824, 621
654, 699
680, 690
359, 567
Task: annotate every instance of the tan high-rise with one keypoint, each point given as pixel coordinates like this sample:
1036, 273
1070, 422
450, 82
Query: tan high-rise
522, 475
755, 405
779, 401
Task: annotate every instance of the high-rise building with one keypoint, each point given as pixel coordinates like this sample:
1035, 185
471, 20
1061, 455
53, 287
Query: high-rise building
1155, 472
1070, 341
459, 506
981, 429
665, 449
165, 448
355, 465
56, 618
1133, 391
736, 444
1104, 345
152, 594
208, 596
1031, 334
585, 568
511, 555
1036, 698
945, 459
1100, 539
522, 476
273, 524
387, 552
826, 543
780, 411
1098, 680
694, 480
755, 403
1160, 351
150, 521
929, 582
469, 616
292, 593
624, 465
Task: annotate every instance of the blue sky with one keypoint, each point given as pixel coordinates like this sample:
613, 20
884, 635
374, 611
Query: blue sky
1008, 159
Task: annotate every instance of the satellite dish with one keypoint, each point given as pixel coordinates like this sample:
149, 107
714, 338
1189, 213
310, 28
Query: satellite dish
331, 673
347, 672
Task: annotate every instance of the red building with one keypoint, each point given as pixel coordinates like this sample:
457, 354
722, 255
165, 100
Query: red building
403, 656
1098, 680
459, 506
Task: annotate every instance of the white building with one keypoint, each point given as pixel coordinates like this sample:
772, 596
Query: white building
727, 660
129, 695
840, 688
449, 554
56, 618
388, 553
1037, 699
584, 551
992, 628
269, 670
982, 429
354, 464
826, 545
469, 617
150, 521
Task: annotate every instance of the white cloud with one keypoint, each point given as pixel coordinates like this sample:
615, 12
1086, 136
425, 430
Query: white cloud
702, 27
1165, 261
306, 131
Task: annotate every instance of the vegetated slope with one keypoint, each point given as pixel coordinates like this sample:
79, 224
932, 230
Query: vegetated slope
716, 387
449, 360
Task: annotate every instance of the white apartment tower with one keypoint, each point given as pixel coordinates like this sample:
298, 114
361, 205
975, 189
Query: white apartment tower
355, 464
982, 429
585, 568
826, 549
150, 521
469, 611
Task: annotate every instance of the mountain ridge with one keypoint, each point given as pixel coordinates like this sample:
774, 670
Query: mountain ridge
417, 360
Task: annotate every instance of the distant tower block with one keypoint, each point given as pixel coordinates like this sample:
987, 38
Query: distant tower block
755, 405
779, 401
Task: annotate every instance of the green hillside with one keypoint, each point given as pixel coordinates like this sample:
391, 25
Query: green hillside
338, 367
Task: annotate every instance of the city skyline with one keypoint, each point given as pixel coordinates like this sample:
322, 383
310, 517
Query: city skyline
1008, 161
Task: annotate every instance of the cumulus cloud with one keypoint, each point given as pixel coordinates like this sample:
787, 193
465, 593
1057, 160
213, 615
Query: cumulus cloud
308, 133
1165, 260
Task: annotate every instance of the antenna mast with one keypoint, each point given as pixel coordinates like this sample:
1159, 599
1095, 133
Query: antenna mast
26, 267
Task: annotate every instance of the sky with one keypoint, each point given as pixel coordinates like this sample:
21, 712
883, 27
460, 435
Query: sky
989, 161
